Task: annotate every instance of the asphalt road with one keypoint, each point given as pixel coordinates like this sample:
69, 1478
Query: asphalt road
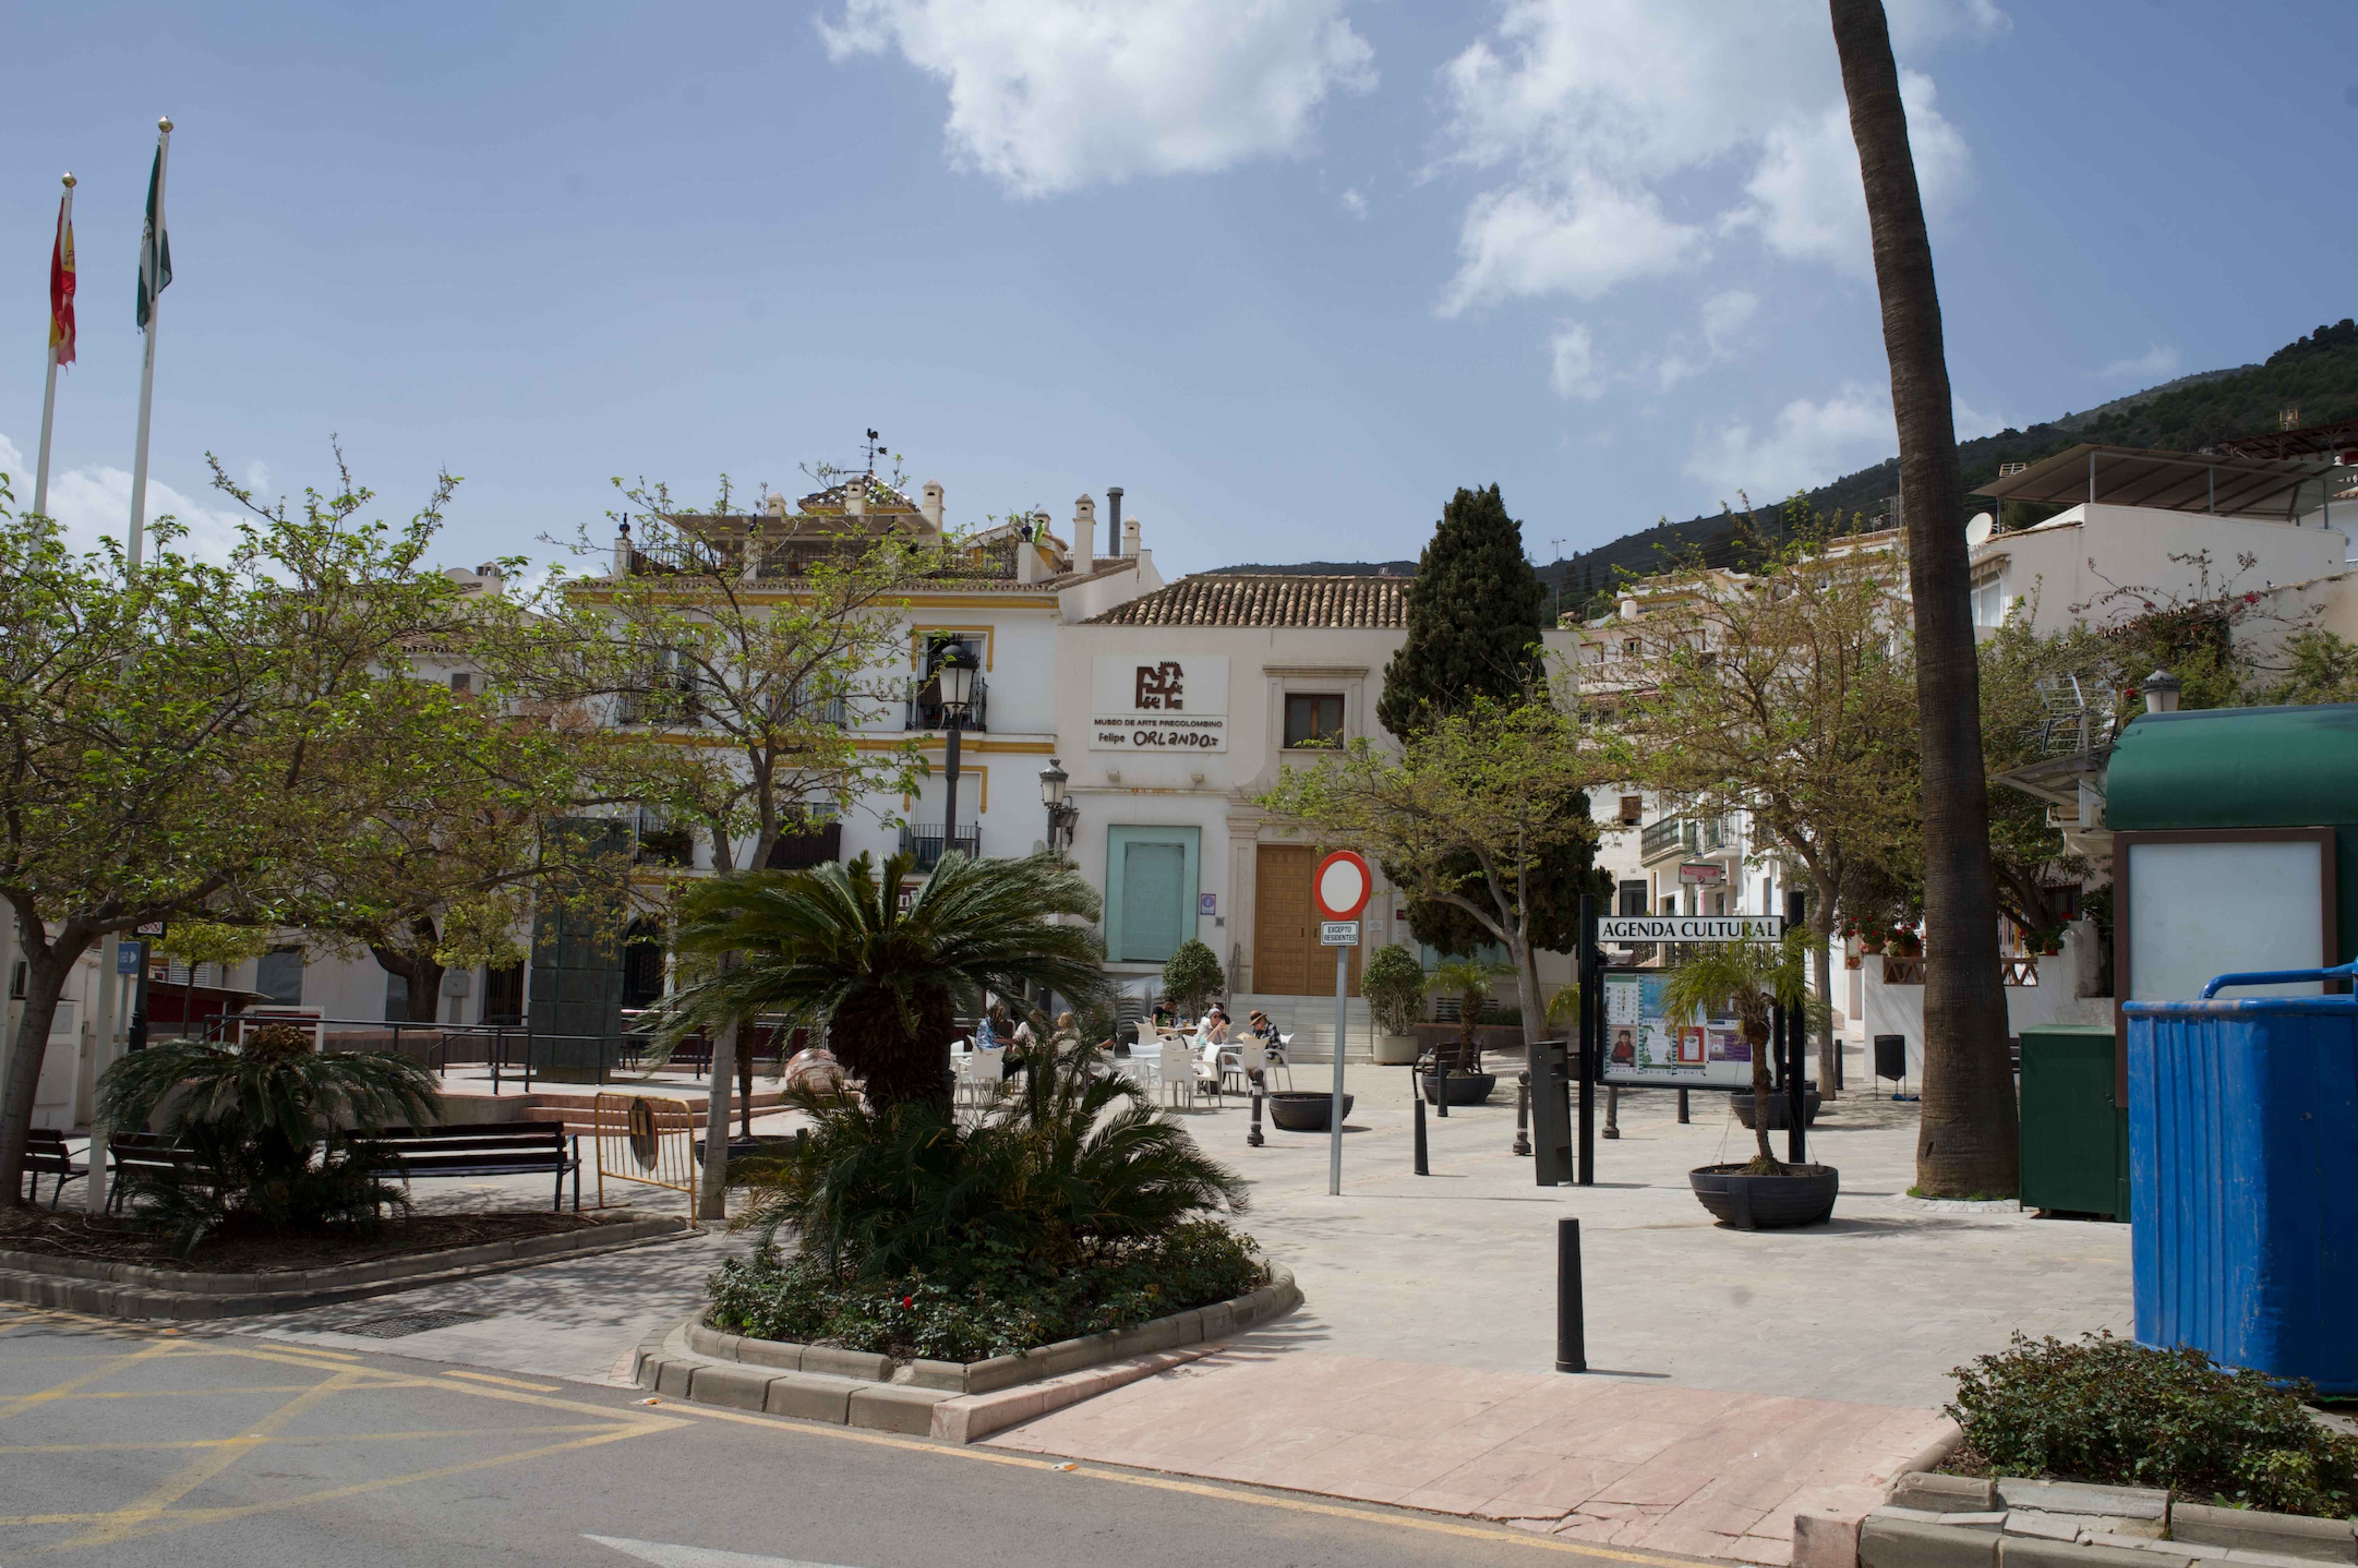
131, 1445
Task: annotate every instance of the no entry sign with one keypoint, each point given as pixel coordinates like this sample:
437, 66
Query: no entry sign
1342, 885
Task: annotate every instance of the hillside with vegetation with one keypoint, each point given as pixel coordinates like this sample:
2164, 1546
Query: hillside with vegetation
2318, 374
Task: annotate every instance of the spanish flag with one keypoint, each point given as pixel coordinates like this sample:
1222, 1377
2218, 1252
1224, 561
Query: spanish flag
61, 285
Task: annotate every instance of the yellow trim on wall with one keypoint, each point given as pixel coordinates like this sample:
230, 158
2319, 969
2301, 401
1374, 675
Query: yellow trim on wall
921, 631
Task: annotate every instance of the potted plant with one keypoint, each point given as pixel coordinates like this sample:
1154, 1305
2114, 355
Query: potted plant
1192, 977
1393, 983
1459, 1061
1746, 978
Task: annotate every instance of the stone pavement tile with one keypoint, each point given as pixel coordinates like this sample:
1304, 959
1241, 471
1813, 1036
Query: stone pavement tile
1775, 1552
1685, 1539
1486, 1475
1379, 1469
1558, 1486
1631, 1441
1507, 1420
1587, 1527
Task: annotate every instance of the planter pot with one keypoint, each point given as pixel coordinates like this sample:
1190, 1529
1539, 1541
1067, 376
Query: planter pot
1303, 1110
1741, 1103
1395, 1050
1465, 1088
1804, 1197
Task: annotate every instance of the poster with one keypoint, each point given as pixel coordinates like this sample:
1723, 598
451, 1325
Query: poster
1641, 1047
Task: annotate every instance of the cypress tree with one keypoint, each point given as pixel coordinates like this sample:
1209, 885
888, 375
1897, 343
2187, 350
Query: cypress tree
1474, 609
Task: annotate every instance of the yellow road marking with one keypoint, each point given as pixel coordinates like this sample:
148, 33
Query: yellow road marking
1258, 1498
424, 1434
507, 1382
314, 1350
23, 1403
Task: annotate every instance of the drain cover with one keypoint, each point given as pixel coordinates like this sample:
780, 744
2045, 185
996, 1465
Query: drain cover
408, 1323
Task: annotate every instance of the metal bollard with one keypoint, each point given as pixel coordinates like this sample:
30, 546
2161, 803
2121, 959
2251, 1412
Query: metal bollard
1570, 1326
1422, 1169
1441, 1093
1612, 1112
1522, 1113
1683, 1107
1254, 1138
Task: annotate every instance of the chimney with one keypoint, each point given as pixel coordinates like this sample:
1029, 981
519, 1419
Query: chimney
1130, 538
932, 504
622, 552
1113, 520
773, 504
855, 496
1084, 531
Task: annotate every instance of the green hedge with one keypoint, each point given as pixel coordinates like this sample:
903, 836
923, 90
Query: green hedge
2111, 1411
1004, 1305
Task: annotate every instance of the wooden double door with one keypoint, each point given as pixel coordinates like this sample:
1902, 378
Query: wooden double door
1288, 958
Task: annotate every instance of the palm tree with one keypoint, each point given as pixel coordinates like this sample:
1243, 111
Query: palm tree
1968, 1140
835, 943
1745, 979
1467, 980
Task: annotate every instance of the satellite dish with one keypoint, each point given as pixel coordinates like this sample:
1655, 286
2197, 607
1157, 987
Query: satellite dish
1978, 531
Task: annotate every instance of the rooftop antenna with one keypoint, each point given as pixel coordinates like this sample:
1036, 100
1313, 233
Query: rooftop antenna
875, 444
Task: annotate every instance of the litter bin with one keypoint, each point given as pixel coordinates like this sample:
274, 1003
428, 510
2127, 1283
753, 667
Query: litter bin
2244, 1177
2075, 1141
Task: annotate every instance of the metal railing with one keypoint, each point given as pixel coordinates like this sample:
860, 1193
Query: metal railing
815, 846
1671, 836
923, 840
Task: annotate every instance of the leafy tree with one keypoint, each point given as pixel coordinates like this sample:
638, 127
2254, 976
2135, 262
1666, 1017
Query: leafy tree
1746, 977
835, 943
1476, 610
2320, 668
1474, 617
1393, 984
1191, 976
1969, 1139
187, 739
1467, 816
1467, 980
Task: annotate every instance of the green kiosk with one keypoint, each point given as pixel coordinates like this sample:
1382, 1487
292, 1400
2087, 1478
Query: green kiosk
2234, 848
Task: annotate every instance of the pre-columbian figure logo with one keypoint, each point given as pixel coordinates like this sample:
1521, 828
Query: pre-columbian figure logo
1159, 688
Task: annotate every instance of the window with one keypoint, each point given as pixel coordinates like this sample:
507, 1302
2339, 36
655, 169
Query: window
463, 684
397, 997
1150, 891
1313, 719
1630, 897
643, 964
503, 994
279, 976
1989, 601
1631, 647
1633, 810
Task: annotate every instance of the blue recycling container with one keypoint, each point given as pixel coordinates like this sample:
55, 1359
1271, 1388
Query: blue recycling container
2243, 1177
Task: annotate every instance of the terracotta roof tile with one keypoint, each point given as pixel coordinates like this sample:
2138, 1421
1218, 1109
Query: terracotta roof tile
1355, 603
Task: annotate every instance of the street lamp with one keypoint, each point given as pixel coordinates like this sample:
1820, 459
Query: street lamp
955, 675
1061, 816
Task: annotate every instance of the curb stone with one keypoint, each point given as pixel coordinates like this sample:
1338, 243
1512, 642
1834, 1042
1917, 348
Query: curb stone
952, 1401
130, 1291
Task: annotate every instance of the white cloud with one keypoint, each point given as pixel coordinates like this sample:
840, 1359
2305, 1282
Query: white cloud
258, 478
1723, 317
1574, 371
1355, 203
95, 503
1609, 128
2159, 361
1049, 96
1809, 444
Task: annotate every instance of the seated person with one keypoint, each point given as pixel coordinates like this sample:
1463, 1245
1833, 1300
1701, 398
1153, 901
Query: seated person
1164, 1015
1214, 1029
1260, 1028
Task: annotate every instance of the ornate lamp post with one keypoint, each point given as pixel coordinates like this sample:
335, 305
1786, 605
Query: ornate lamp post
1062, 815
955, 675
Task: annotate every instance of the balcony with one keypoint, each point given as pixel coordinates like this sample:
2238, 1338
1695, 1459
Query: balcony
1686, 835
923, 707
665, 846
923, 840
797, 848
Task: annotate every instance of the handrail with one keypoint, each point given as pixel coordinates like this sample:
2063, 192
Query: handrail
2281, 977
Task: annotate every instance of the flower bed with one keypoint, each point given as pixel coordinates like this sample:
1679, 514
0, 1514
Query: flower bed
1000, 1307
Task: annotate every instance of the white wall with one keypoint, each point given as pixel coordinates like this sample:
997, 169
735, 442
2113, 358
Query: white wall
2080, 556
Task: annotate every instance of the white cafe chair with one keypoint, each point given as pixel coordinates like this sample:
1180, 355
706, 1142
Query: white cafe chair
1174, 1072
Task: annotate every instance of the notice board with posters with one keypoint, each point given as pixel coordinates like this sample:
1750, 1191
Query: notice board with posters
1642, 1046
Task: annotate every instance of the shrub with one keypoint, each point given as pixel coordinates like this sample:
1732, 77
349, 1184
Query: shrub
1191, 976
1073, 1172
2112, 1411
995, 1307
254, 1116
1393, 983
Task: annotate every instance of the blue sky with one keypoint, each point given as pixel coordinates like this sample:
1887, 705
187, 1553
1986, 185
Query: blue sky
1287, 270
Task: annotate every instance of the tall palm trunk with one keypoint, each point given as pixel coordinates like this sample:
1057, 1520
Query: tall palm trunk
1967, 1143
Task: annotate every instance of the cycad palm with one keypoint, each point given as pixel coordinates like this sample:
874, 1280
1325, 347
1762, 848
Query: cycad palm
835, 942
1745, 979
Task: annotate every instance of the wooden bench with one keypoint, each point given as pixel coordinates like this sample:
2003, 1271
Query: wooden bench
147, 1154
496, 1149
45, 1155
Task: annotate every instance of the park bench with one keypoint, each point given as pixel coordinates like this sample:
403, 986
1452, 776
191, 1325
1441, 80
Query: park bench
45, 1155
148, 1154
499, 1149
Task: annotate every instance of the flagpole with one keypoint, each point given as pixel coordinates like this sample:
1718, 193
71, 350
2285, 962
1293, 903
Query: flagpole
147, 366
49, 391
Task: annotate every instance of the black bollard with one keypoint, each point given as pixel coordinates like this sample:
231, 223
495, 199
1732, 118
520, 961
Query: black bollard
1441, 1095
1683, 1107
1254, 1138
1571, 1329
1522, 1113
1421, 1168
1612, 1112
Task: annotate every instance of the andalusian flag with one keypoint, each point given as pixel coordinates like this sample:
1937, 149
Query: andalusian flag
61, 285
154, 245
